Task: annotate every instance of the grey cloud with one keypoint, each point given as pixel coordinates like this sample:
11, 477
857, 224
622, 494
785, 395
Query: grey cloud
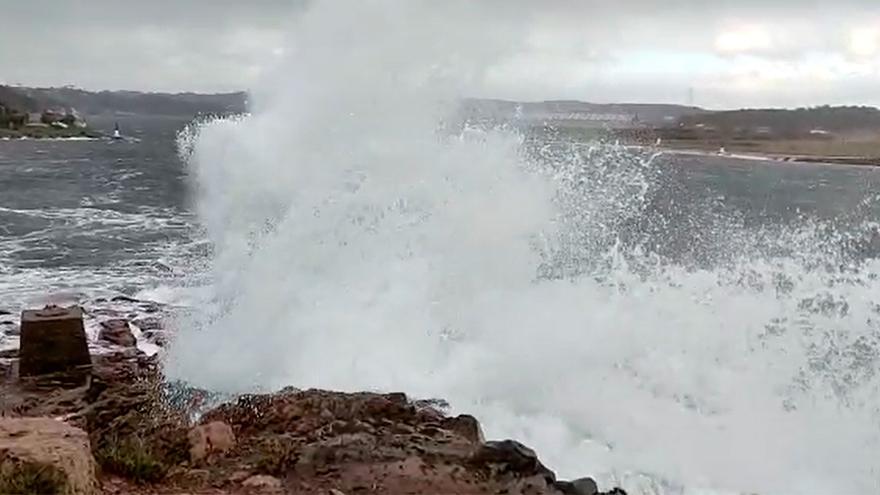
155, 45
565, 46
103, 13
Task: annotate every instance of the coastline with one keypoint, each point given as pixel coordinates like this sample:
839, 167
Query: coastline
72, 138
864, 161
122, 427
861, 153
42, 133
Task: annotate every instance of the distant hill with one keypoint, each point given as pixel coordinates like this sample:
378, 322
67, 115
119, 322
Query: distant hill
790, 122
674, 119
121, 102
13, 99
576, 113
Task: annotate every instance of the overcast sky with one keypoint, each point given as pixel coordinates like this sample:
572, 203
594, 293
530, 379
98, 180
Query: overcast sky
723, 53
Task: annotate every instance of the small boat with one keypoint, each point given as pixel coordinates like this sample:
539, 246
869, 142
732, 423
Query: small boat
116, 134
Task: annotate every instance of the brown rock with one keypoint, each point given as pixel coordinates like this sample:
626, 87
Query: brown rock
582, 486
398, 398
53, 448
117, 332
212, 438
510, 456
466, 426
53, 340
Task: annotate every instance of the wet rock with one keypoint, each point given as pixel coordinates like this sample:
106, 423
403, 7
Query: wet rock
435, 404
212, 438
192, 401
511, 457
149, 307
117, 332
8, 370
148, 324
53, 340
582, 486
466, 426
397, 398
158, 337
124, 299
124, 366
10, 328
309, 412
56, 452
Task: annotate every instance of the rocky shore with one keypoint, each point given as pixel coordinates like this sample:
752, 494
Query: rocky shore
114, 425
50, 133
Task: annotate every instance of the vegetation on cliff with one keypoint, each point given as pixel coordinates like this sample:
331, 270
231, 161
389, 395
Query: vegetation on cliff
122, 102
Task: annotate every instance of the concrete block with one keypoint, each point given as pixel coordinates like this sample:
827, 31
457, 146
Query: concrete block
53, 340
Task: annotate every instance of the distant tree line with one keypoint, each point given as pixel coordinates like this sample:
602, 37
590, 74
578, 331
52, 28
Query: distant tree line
12, 118
127, 102
787, 123
184, 104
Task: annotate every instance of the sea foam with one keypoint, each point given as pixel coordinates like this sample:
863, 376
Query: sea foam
359, 244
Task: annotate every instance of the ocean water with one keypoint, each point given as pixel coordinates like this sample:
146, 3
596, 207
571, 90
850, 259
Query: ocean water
87, 221
670, 324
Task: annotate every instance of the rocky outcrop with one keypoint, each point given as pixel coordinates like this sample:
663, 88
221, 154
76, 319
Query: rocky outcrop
143, 433
378, 443
511, 457
582, 486
466, 426
43, 455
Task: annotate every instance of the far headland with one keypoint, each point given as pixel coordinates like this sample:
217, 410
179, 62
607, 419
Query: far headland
827, 134
64, 113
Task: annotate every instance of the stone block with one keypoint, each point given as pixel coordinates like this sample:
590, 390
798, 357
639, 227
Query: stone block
59, 453
53, 340
212, 438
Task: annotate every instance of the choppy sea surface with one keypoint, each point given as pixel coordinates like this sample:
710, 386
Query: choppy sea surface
87, 221
720, 303
93, 218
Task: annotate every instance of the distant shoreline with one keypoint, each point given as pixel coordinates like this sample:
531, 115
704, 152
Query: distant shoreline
773, 157
49, 133
72, 138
